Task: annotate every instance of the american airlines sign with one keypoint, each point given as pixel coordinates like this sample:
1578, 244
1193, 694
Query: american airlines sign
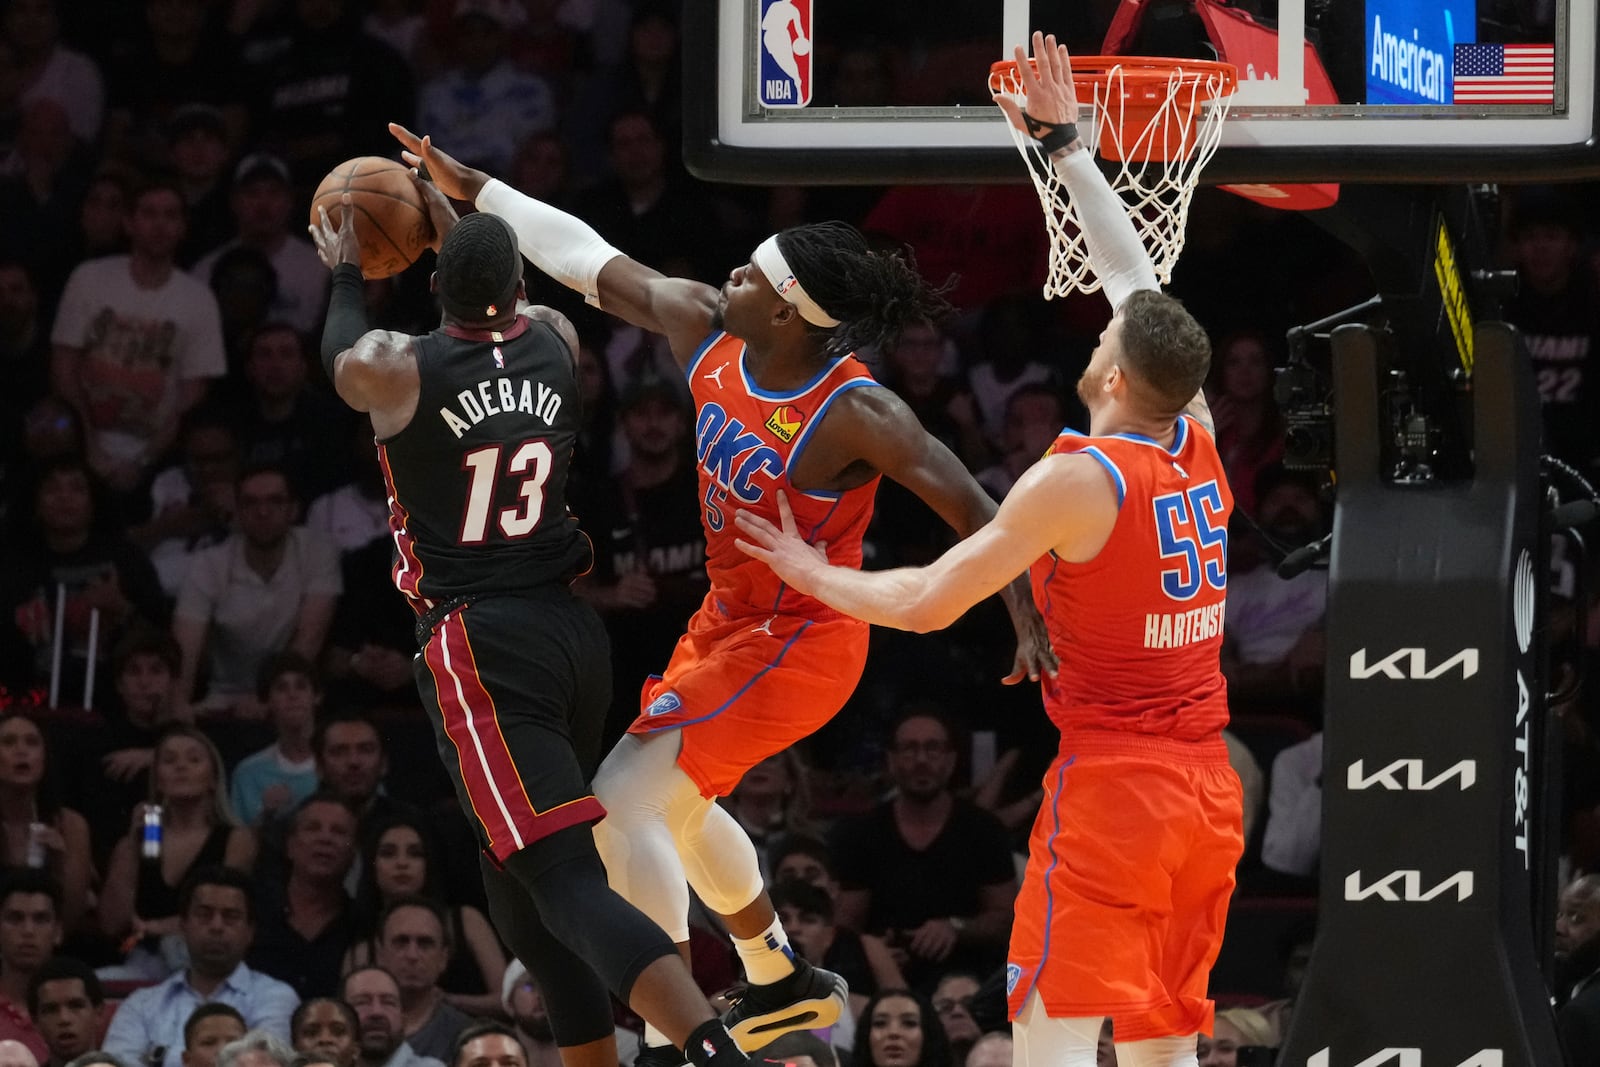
1412, 664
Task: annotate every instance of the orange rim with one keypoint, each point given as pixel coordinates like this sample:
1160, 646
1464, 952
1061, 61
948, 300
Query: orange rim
1143, 71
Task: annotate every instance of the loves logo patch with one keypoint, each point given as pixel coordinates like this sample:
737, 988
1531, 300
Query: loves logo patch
784, 422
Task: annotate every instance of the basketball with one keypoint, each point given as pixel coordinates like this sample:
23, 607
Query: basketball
391, 219
802, 46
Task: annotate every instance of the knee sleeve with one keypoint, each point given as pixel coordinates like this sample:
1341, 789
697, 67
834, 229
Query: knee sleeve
1040, 1041
718, 858
563, 875
636, 784
1159, 1052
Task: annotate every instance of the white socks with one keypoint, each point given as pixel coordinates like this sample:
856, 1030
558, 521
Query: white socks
767, 958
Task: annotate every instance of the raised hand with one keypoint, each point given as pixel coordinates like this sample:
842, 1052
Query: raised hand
336, 246
441, 213
1052, 99
454, 178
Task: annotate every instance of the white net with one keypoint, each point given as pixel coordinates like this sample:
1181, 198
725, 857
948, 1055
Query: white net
1158, 132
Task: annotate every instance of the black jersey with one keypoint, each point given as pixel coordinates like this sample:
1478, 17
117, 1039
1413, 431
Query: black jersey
478, 480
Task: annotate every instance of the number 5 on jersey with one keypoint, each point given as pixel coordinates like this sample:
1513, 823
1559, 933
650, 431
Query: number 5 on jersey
531, 460
1187, 527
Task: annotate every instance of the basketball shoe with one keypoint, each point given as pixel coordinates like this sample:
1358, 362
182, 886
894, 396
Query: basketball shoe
809, 998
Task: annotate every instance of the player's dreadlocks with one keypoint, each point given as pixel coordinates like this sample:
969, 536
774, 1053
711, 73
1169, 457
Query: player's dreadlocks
874, 295
478, 268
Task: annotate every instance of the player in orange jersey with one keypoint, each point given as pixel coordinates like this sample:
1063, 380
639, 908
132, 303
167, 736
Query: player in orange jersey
1131, 858
782, 406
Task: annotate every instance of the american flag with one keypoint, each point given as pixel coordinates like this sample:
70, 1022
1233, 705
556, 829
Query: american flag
1504, 74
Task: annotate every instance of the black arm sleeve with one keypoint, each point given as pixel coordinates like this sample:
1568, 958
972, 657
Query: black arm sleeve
347, 314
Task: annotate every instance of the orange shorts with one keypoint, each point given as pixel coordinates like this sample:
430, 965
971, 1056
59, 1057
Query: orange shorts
741, 689
1130, 868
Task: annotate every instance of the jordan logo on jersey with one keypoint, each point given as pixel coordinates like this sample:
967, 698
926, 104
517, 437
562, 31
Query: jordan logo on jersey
716, 375
784, 422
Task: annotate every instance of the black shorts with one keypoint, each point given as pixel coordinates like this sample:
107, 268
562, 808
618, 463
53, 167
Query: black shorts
517, 688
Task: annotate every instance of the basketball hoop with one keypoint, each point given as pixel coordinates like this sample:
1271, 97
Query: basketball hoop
1160, 120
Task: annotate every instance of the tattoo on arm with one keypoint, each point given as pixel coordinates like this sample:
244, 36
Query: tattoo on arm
1202, 412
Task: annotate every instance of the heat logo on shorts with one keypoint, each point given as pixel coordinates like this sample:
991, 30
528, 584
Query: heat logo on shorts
664, 704
785, 40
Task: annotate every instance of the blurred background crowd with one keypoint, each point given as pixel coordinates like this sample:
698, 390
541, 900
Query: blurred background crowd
216, 783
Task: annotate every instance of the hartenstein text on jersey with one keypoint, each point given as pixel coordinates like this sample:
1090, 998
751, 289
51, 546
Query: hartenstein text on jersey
1173, 629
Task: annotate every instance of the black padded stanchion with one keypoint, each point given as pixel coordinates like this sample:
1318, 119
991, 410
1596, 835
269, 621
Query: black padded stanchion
1433, 773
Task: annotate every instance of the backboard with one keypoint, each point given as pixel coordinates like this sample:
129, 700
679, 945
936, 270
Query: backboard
852, 91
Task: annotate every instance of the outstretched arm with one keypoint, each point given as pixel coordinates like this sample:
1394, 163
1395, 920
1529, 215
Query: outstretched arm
1064, 503
373, 371
1116, 254
570, 251
875, 427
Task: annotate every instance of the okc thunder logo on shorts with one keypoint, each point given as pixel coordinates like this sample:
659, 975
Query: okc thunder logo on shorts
1013, 976
664, 704
784, 37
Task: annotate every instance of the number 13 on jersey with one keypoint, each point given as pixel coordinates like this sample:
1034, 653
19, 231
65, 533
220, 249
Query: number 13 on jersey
1192, 532
532, 461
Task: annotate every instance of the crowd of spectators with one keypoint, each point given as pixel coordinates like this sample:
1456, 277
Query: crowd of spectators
197, 632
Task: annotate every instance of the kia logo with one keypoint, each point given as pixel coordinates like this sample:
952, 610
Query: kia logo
1411, 664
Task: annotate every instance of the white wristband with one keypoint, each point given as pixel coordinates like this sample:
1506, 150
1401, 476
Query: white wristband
562, 245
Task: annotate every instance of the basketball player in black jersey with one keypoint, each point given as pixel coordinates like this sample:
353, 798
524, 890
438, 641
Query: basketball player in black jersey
475, 424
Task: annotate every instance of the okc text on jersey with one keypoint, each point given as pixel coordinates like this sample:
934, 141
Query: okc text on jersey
732, 455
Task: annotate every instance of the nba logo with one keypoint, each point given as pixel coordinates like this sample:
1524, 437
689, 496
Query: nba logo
785, 53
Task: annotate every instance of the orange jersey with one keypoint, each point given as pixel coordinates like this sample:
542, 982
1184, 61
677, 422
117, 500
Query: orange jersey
746, 441
1138, 629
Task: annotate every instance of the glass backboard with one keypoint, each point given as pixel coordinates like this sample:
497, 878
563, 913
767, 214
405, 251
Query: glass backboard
843, 91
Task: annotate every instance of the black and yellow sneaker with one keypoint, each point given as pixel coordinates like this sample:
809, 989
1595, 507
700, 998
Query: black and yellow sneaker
808, 999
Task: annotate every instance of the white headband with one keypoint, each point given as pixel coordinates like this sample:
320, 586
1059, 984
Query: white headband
776, 268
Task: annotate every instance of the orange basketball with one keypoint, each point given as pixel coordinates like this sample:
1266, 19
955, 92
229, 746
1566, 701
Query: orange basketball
391, 220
